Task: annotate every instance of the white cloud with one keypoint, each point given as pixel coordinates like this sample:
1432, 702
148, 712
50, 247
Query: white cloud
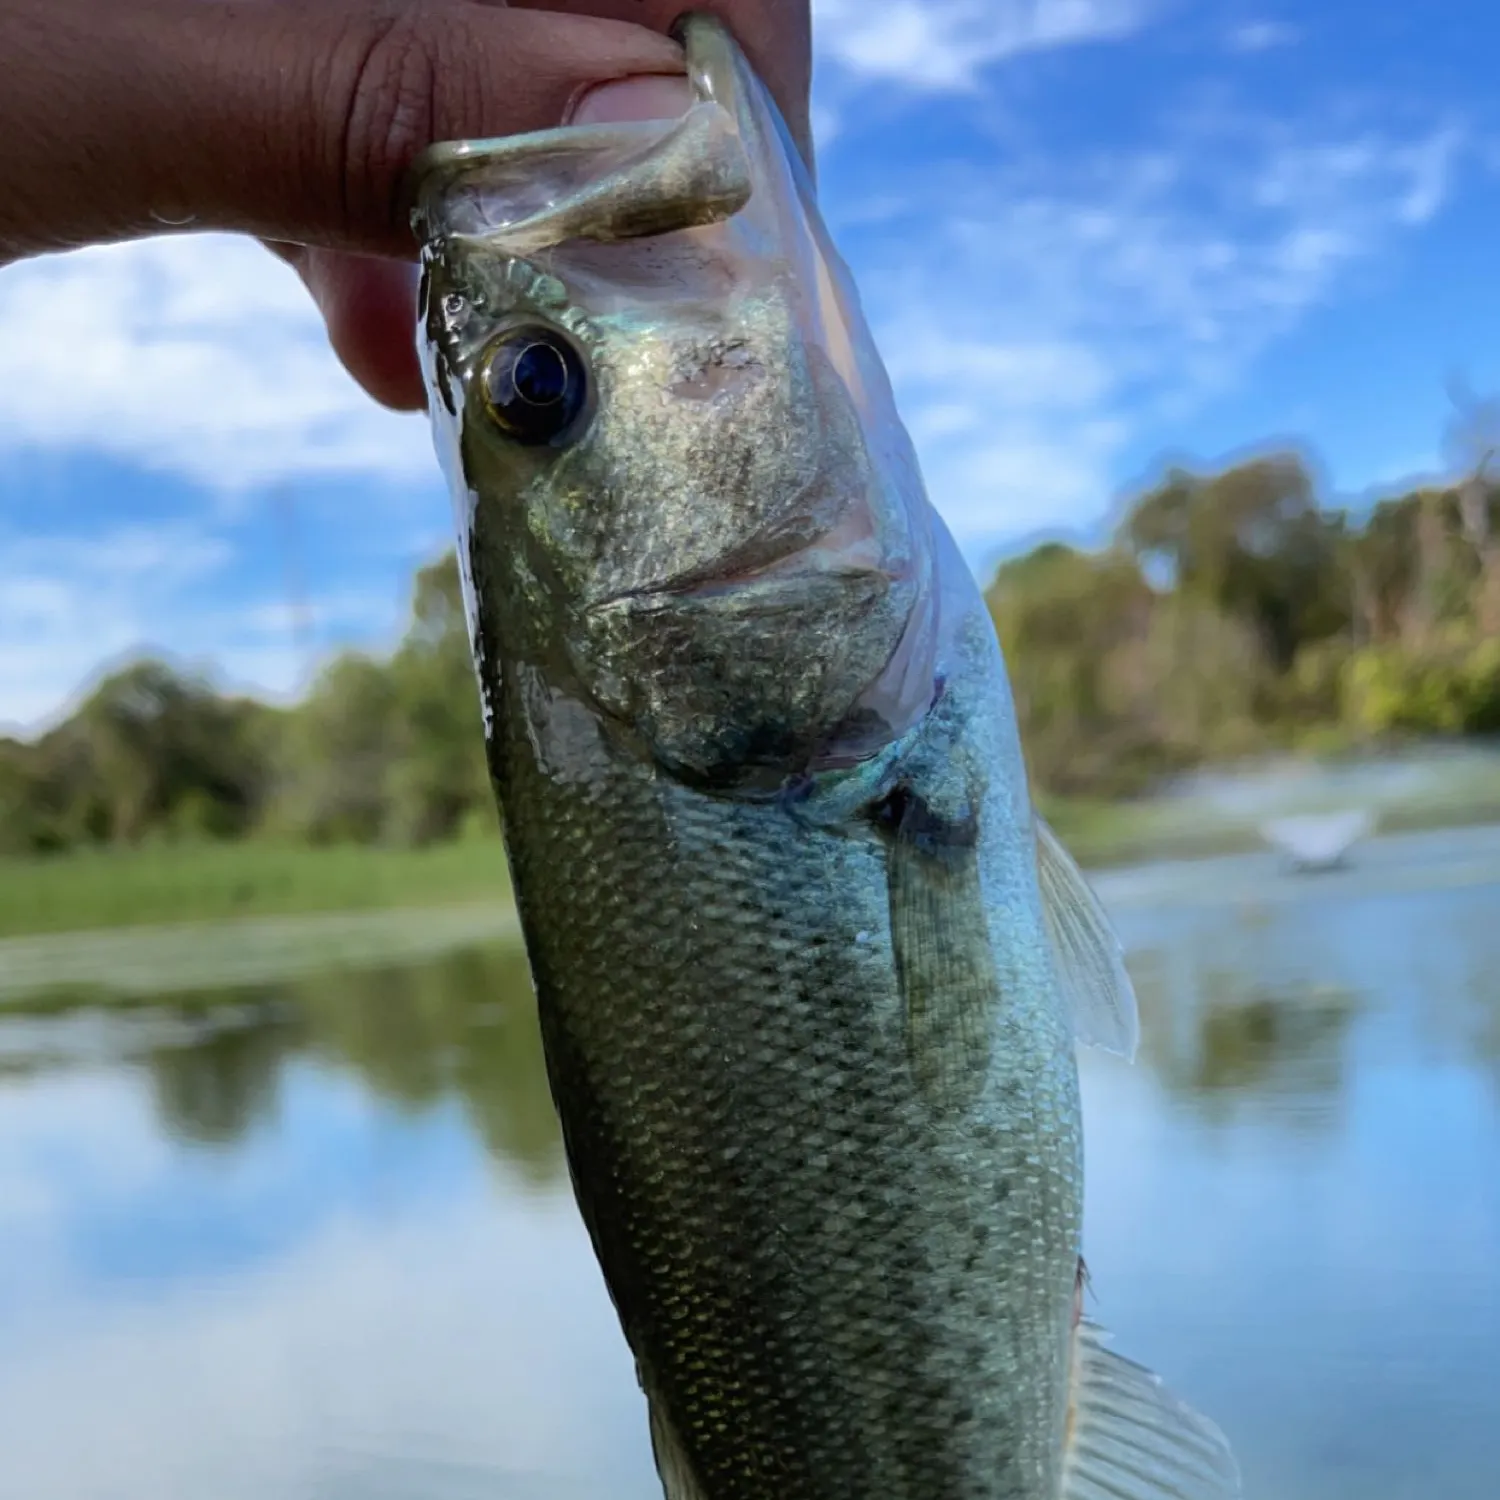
1012, 421
200, 355
1078, 305
62, 1135
943, 44
826, 126
71, 610
1312, 178
65, 605
1037, 314
1263, 36
461, 1338
1430, 165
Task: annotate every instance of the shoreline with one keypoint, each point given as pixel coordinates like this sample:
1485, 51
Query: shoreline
137, 964
126, 965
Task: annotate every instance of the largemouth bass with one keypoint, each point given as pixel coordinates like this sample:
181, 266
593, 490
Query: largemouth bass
810, 970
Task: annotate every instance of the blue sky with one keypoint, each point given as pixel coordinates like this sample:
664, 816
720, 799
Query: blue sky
1090, 234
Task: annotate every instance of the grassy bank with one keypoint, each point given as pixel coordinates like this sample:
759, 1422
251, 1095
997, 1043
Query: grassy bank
1101, 834
185, 883
129, 965
1104, 835
173, 883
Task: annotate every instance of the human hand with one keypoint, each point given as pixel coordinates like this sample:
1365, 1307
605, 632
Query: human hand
296, 121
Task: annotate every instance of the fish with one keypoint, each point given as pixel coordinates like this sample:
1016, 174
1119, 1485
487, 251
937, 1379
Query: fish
810, 970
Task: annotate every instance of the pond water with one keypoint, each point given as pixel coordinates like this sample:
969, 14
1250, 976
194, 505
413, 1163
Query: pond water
315, 1239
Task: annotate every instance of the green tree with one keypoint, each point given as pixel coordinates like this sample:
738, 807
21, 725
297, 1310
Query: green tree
440, 780
1253, 542
339, 753
23, 825
151, 750
1068, 620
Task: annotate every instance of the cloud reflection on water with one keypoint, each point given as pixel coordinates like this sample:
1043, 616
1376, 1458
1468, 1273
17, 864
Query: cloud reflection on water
315, 1240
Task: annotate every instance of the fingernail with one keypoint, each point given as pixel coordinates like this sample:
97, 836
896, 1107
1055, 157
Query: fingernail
649, 96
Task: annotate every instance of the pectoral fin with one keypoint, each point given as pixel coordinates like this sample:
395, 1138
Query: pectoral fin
940, 936
1129, 1438
1090, 962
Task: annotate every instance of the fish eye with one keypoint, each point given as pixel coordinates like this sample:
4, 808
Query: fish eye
535, 385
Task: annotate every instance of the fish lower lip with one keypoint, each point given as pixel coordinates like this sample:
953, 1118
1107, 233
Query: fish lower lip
709, 584
817, 562
746, 586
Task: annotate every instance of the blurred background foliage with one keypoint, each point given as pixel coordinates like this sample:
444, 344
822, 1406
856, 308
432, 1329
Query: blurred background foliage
380, 751
1229, 614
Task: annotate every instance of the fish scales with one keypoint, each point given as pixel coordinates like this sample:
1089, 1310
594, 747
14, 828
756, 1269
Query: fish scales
809, 968
824, 1280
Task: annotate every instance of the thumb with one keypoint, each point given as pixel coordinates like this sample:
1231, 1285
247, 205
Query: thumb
368, 302
291, 121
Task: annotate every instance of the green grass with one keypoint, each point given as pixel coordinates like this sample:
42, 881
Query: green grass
176, 883
1100, 834
208, 882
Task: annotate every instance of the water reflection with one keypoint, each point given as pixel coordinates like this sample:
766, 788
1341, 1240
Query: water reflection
463, 1026
218, 1082
459, 1028
1467, 1013
314, 1239
1223, 1041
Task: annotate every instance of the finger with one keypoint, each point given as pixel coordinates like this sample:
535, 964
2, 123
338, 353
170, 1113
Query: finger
370, 306
290, 121
776, 36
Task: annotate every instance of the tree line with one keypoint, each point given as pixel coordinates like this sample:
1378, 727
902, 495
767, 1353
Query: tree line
1229, 614
380, 750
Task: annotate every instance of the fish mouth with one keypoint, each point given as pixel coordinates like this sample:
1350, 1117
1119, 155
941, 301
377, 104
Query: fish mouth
849, 552
737, 676
806, 647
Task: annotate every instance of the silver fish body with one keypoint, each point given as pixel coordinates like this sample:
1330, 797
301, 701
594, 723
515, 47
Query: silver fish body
808, 982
